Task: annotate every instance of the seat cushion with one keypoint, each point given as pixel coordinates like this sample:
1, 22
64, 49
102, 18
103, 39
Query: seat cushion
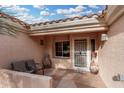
19, 66
30, 64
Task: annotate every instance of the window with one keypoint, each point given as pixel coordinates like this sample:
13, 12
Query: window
62, 49
93, 47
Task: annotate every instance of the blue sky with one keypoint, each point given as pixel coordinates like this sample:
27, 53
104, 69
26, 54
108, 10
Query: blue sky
42, 13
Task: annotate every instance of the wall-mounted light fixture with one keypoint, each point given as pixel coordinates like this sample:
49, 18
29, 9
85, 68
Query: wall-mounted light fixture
104, 37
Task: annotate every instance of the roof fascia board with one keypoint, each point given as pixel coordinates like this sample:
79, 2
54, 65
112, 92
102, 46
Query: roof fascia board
72, 31
113, 13
68, 28
86, 21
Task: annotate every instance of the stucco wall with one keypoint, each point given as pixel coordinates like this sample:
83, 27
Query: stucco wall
111, 55
14, 79
20, 47
65, 63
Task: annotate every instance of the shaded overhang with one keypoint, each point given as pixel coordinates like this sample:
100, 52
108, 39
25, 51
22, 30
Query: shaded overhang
92, 24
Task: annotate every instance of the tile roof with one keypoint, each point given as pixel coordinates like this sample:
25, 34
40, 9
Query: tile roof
51, 22
67, 19
13, 19
72, 19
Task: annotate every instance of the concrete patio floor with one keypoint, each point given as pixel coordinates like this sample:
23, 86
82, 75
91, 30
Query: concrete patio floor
72, 79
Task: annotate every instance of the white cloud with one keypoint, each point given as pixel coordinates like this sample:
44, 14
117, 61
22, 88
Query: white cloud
14, 8
53, 14
62, 11
41, 7
38, 6
73, 15
100, 11
44, 13
79, 14
5, 6
47, 13
79, 8
22, 14
93, 6
30, 19
70, 10
47, 9
88, 12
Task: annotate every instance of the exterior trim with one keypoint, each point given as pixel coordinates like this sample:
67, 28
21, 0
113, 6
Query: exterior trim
68, 31
81, 22
113, 13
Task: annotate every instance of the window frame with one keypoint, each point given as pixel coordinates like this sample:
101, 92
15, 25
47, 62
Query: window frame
63, 57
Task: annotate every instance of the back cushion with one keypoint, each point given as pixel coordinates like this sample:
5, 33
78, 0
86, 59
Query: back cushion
30, 64
19, 66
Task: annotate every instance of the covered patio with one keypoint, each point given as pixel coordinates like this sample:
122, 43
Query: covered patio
69, 44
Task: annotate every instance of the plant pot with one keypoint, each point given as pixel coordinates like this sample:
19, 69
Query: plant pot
94, 68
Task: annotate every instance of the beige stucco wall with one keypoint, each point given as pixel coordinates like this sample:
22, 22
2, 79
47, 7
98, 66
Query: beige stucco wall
19, 47
111, 55
65, 63
14, 79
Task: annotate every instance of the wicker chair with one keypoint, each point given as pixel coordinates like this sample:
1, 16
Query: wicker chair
46, 62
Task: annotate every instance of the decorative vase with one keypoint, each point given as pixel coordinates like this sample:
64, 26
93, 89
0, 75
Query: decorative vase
93, 65
94, 68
